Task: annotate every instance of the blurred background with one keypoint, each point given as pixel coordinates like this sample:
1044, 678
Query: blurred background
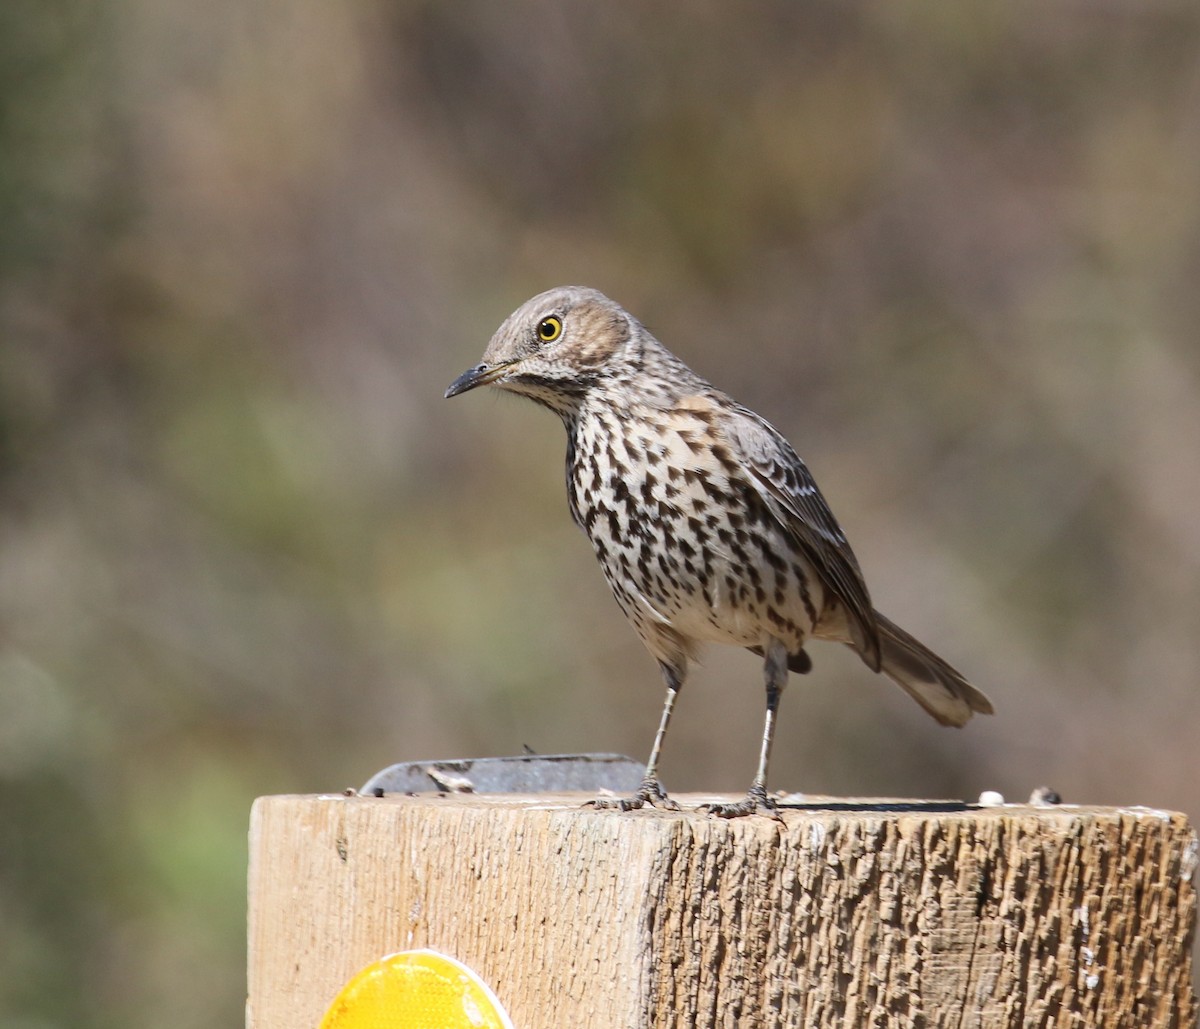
952, 252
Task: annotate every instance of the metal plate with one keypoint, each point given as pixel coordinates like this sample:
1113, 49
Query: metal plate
526, 773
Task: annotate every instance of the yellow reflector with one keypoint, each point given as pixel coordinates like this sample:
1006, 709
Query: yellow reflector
416, 989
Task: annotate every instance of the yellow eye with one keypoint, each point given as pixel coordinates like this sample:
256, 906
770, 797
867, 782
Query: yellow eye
549, 329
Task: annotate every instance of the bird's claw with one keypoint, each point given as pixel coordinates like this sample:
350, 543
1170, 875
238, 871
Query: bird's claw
650, 793
756, 802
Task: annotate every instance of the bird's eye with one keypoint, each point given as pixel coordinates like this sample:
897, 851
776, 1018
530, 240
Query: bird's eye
549, 329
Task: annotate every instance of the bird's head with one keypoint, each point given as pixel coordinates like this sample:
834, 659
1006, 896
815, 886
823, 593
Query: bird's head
554, 348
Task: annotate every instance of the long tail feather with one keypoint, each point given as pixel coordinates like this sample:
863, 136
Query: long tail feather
931, 682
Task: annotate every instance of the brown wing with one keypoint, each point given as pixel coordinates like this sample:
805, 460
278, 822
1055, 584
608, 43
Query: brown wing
792, 495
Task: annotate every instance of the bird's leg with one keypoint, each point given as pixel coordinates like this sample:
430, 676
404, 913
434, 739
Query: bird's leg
775, 670
651, 790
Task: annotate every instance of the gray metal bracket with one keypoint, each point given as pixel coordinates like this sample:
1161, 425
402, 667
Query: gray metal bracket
526, 773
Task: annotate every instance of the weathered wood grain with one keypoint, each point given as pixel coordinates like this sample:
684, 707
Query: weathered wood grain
1011, 916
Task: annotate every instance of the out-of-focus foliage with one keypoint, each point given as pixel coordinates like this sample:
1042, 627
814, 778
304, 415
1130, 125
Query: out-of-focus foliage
952, 251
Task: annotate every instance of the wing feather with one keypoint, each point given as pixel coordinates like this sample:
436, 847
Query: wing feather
791, 493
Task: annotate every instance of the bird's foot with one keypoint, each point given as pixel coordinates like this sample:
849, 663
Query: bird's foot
650, 793
756, 802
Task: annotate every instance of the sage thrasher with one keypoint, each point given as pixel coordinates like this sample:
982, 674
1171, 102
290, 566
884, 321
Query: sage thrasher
708, 526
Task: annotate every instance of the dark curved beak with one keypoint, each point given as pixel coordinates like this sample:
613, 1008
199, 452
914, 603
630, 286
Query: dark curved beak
480, 375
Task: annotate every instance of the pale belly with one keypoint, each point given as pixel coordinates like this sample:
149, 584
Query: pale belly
741, 598
689, 547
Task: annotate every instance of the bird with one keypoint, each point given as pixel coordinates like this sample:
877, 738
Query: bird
708, 526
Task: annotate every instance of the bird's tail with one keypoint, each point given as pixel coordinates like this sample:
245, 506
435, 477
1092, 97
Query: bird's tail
930, 681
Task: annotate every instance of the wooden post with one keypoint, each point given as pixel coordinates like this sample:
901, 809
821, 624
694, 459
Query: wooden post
859, 915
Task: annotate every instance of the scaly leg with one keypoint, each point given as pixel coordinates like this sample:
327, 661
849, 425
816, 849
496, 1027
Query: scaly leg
775, 670
651, 790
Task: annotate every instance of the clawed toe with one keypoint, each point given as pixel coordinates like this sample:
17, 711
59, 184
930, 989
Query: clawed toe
649, 794
756, 802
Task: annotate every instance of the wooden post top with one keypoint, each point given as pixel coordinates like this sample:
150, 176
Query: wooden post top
839, 912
